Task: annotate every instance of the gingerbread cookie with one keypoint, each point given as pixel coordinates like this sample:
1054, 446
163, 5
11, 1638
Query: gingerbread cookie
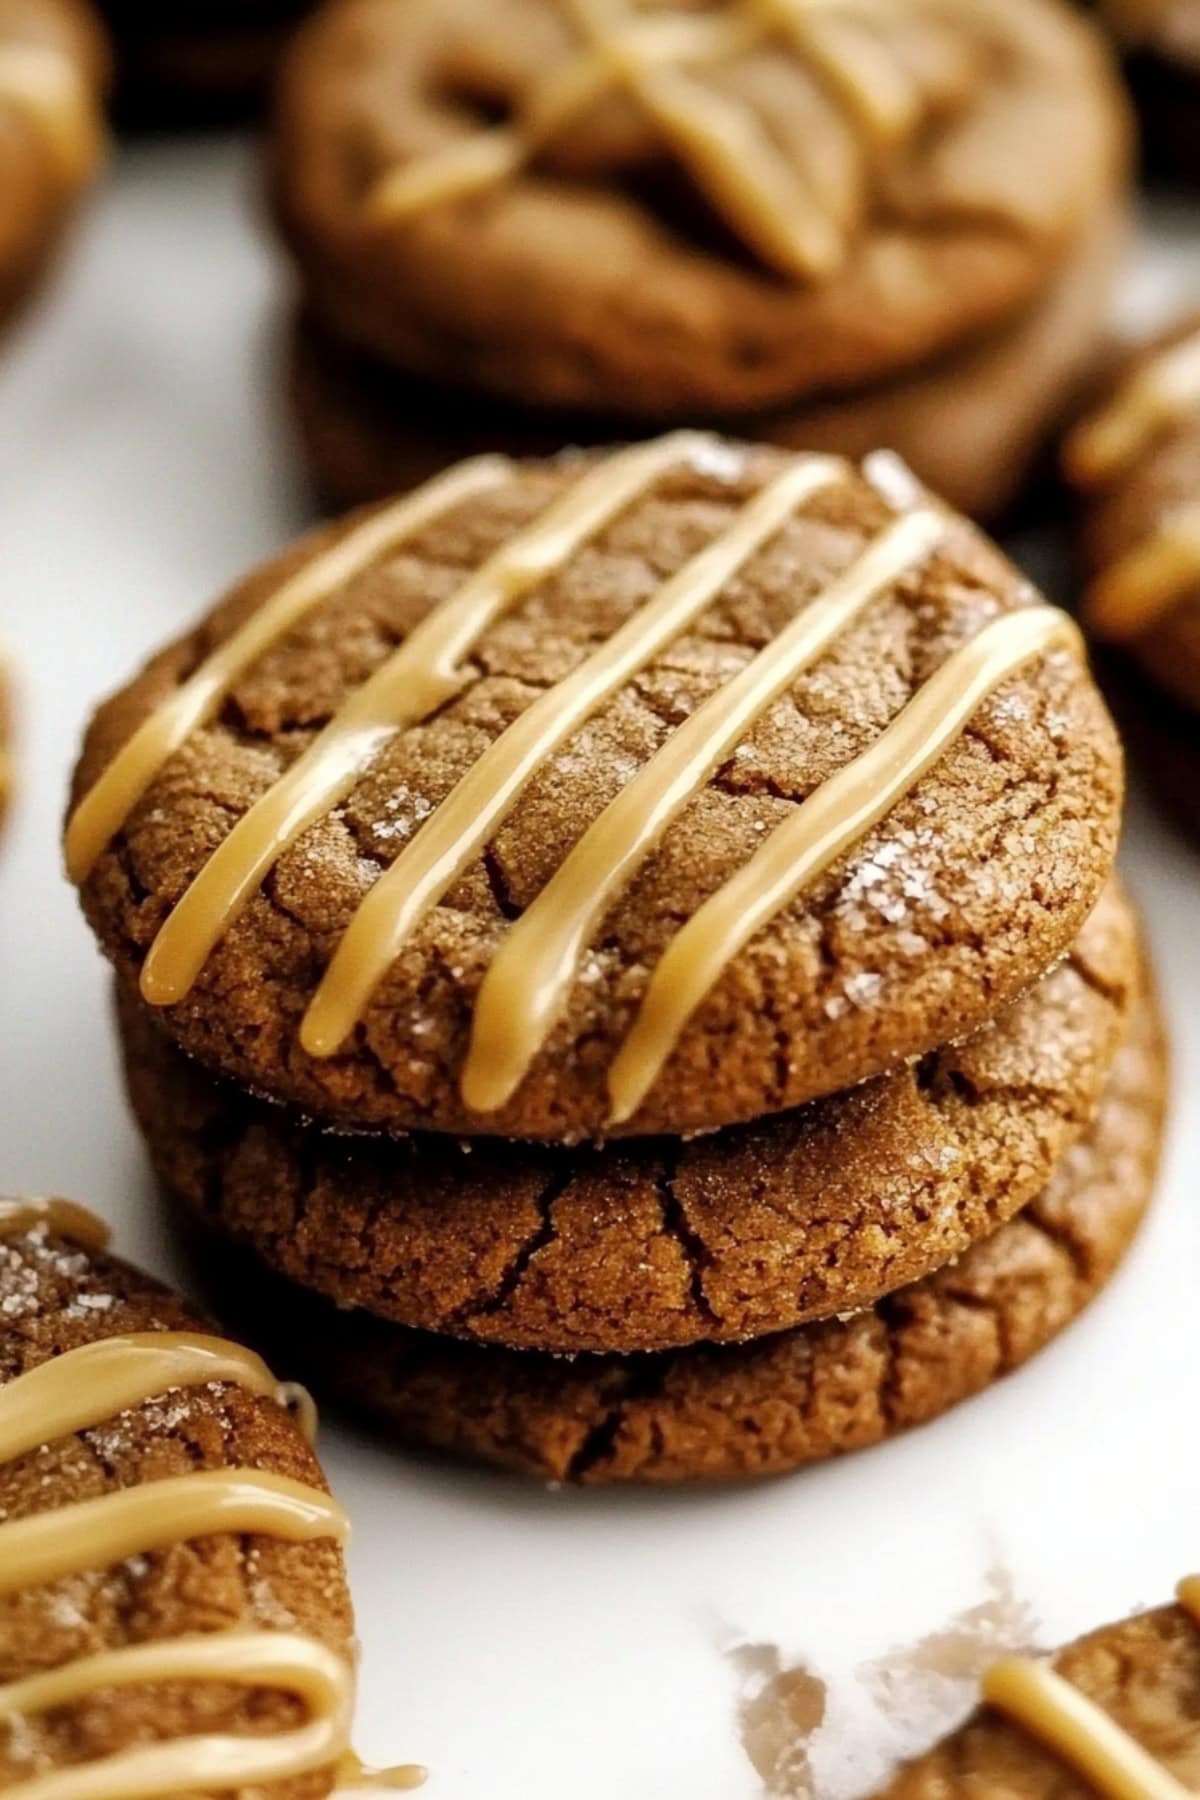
53, 73
173, 1606
812, 1213
1135, 462
703, 781
1112, 1717
737, 824
763, 1408
548, 221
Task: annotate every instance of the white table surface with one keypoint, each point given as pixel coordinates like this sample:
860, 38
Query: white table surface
526, 1643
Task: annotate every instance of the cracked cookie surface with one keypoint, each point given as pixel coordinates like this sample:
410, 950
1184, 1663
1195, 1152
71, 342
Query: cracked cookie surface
651, 1246
54, 1298
956, 903
738, 1411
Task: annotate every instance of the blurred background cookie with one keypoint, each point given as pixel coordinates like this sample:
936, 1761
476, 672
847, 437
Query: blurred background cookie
1134, 462
516, 226
53, 74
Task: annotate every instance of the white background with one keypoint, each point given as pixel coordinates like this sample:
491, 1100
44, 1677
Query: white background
521, 1642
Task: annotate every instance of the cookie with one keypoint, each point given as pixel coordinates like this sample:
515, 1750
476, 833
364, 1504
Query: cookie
654, 792
1135, 461
736, 1412
1160, 41
518, 219
173, 1604
813, 1213
971, 422
1113, 1715
198, 62
53, 74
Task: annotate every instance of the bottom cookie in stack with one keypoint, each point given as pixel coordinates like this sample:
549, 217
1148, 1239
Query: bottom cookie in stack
1012, 1170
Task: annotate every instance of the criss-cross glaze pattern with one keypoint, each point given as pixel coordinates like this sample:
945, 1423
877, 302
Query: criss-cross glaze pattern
663, 60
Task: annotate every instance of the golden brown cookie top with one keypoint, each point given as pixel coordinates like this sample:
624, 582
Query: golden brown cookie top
1135, 460
163, 1525
648, 791
665, 209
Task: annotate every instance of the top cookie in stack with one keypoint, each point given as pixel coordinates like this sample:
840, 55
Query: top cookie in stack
646, 794
830, 224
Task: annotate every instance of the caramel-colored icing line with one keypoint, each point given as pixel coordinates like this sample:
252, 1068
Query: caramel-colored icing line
471, 814
719, 140
833, 818
81, 1389
46, 85
527, 984
416, 679
106, 806
1074, 1728
524, 992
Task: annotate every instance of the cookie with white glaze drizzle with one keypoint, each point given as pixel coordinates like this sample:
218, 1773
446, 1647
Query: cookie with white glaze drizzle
651, 791
53, 75
173, 1606
741, 1412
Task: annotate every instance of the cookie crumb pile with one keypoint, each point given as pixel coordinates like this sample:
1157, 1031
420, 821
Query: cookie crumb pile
653, 909
523, 223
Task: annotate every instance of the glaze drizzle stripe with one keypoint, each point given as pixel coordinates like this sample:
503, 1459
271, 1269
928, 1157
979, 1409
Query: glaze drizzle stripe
526, 986
106, 806
1035, 1696
44, 84
837, 815
465, 821
417, 678
218, 1763
80, 1389
721, 141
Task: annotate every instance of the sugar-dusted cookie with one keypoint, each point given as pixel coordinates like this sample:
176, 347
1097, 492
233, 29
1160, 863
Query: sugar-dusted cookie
173, 1607
732, 1412
815, 1212
649, 792
53, 73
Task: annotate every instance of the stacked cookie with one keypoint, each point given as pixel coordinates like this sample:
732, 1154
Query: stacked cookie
519, 224
651, 908
1135, 462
